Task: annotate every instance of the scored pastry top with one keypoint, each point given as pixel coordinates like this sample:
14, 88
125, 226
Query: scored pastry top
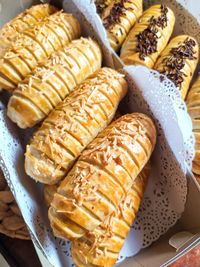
102, 176
73, 124
149, 36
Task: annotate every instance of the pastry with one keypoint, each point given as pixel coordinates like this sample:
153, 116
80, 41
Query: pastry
193, 105
102, 176
52, 81
34, 45
178, 61
23, 21
49, 191
118, 18
101, 5
148, 37
102, 246
73, 125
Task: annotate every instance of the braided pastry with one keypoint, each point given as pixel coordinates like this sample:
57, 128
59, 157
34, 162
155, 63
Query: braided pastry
102, 176
102, 246
148, 37
118, 18
34, 45
73, 125
23, 21
193, 105
178, 61
52, 81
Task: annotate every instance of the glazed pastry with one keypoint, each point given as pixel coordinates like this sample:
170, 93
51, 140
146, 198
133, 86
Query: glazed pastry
148, 37
193, 105
34, 45
23, 21
101, 6
178, 61
50, 190
102, 176
102, 246
52, 81
118, 18
73, 125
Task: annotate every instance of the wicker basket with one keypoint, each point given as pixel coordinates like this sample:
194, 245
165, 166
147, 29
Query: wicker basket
11, 221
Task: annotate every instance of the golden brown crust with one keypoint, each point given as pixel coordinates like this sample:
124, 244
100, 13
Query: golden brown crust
102, 176
118, 18
193, 105
73, 125
102, 246
23, 21
52, 81
179, 60
101, 6
144, 43
34, 45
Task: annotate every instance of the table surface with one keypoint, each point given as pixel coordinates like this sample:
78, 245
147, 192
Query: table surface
18, 253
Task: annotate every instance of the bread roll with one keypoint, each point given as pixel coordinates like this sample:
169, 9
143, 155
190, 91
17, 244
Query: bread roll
34, 45
197, 178
73, 125
148, 37
118, 18
178, 61
193, 105
102, 176
23, 21
52, 81
102, 246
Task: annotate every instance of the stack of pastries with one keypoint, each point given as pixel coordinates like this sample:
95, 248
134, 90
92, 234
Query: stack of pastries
94, 169
94, 174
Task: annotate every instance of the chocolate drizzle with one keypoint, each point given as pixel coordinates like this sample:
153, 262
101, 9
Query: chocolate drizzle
176, 62
116, 11
147, 40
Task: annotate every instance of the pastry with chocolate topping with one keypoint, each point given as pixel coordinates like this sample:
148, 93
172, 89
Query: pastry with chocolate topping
178, 61
148, 37
101, 6
118, 18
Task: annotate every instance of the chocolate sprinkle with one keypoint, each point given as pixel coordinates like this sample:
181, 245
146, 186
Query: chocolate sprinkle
176, 62
101, 5
116, 11
147, 40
